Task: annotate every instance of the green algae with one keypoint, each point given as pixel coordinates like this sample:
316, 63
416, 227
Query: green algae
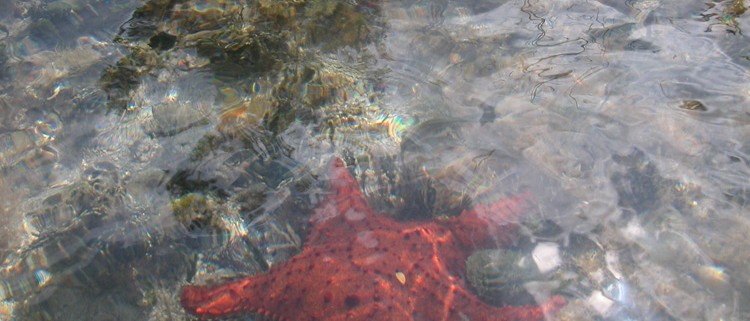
725, 14
196, 212
120, 80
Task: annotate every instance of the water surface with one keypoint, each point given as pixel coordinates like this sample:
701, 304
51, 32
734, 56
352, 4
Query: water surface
148, 145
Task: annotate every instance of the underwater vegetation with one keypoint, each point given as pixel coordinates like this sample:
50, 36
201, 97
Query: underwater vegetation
724, 14
90, 238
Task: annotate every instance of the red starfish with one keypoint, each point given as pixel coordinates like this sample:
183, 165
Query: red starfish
359, 265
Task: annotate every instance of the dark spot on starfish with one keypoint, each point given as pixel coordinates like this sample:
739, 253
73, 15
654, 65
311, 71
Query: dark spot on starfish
351, 301
407, 237
327, 297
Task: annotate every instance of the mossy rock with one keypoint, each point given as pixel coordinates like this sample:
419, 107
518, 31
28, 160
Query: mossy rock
498, 276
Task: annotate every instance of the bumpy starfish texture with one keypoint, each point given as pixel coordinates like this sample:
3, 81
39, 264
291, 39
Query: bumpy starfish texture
359, 265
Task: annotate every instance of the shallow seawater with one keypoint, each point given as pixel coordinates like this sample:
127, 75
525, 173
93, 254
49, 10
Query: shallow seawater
148, 145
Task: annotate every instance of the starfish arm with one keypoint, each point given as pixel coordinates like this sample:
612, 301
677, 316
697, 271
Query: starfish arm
229, 298
374, 312
344, 211
489, 225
